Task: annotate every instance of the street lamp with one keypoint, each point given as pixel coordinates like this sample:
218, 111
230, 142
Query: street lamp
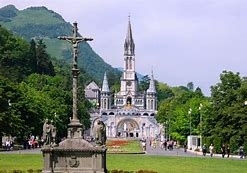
9, 103
167, 130
189, 112
190, 138
245, 103
200, 108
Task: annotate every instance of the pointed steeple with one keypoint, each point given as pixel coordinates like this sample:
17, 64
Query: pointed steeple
151, 88
129, 45
105, 86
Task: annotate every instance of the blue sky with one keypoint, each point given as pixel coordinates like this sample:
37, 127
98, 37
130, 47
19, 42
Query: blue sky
181, 40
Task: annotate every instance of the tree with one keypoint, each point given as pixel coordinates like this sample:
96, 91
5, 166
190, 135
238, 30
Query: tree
33, 56
10, 120
14, 59
144, 83
31, 91
113, 81
173, 112
198, 92
44, 64
44, 97
190, 86
163, 91
227, 121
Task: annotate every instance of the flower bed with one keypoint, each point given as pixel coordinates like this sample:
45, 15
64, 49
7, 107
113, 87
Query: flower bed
123, 146
119, 143
116, 146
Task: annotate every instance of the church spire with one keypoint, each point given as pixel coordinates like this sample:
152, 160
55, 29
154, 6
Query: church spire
129, 45
105, 86
151, 88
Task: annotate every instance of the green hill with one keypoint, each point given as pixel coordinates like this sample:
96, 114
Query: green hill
41, 23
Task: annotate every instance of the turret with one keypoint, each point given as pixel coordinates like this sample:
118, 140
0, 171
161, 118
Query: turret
105, 95
151, 100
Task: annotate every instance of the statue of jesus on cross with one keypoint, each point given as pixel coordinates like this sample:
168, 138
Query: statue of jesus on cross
74, 40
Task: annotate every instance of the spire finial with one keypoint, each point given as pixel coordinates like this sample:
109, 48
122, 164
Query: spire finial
152, 73
151, 88
129, 45
105, 86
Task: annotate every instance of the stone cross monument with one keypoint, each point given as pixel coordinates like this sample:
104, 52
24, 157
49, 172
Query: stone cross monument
75, 127
74, 154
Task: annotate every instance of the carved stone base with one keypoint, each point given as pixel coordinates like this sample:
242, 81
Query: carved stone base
73, 156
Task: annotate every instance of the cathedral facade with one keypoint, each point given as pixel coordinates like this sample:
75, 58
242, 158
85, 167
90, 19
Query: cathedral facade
131, 113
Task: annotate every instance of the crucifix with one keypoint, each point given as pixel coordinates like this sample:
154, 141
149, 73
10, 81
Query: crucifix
74, 40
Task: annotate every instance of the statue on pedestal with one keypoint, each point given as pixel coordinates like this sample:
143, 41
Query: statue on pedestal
49, 133
53, 133
100, 133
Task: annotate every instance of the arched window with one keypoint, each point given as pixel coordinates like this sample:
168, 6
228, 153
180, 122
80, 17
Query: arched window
104, 104
145, 114
149, 104
152, 104
129, 101
130, 64
126, 64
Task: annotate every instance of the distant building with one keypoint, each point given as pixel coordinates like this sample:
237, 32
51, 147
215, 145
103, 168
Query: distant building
92, 93
132, 113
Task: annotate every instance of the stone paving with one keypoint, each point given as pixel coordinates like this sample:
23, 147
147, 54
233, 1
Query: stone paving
180, 152
149, 151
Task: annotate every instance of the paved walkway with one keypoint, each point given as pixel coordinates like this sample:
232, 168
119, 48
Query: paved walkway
180, 152
27, 151
149, 151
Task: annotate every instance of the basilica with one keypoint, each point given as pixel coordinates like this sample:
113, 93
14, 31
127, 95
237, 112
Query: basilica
131, 114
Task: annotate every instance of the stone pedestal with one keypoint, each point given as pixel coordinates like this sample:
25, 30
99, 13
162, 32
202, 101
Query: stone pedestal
74, 156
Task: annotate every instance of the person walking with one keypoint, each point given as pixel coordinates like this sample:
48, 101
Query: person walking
185, 147
7, 144
165, 145
204, 150
241, 152
143, 143
223, 150
211, 150
228, 151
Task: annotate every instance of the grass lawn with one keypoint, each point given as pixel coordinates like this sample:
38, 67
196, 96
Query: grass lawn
134, 162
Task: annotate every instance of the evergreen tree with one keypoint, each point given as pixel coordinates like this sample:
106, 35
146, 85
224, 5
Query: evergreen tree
44, 64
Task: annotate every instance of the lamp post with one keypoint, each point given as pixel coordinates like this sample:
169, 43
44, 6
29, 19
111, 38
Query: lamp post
200, 108
167, 130
189, 112
190, 138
